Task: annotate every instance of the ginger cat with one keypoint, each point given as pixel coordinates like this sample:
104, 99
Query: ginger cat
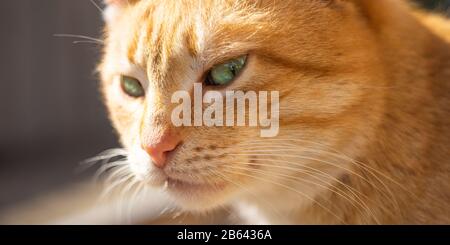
364, 108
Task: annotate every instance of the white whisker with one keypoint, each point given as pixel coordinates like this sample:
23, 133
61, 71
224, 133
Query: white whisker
97, 6
373, 172
79, 36
86, 41
291, 189
248, 191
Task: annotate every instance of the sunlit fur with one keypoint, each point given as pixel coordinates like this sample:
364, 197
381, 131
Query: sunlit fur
364, 101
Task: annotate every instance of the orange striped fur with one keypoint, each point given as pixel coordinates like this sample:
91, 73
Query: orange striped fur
364, 105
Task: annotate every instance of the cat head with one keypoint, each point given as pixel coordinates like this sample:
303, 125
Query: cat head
319, 56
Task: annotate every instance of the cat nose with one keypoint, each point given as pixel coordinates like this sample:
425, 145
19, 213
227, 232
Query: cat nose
161, 146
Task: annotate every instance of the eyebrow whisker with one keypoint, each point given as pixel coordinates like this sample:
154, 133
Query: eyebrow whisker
97, 6
79, 36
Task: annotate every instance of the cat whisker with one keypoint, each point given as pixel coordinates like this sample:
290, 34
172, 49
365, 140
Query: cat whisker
112, 186
300, 157
373, 172
331, 188
344, 156
99, 41
97, 6
288, 188
108, 166
124, 200
119, 173
86, 41
365, 179
103, 157
304, 168
241, 187
133, 200
258, 144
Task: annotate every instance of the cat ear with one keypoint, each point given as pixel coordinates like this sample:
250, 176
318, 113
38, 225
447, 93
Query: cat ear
114, 8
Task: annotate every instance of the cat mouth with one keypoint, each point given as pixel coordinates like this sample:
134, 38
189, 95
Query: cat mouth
182, 186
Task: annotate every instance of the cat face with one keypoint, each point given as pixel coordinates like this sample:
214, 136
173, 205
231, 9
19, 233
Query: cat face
318, 55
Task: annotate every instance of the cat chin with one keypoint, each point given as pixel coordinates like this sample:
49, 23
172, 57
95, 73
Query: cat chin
190, 196
199, 197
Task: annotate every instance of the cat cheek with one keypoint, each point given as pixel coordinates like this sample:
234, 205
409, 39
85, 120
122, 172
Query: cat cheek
111, 13
114, 8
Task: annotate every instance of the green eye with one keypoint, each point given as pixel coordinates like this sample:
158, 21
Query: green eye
224, 74
132, 86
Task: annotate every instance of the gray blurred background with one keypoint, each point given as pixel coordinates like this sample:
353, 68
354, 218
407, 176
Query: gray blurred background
51, 115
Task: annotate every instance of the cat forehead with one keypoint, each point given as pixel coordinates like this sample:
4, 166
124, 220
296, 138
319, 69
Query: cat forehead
154, 33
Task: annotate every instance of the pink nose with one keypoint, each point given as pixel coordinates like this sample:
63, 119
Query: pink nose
161, 146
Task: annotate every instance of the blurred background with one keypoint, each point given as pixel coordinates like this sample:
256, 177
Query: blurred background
51, 115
